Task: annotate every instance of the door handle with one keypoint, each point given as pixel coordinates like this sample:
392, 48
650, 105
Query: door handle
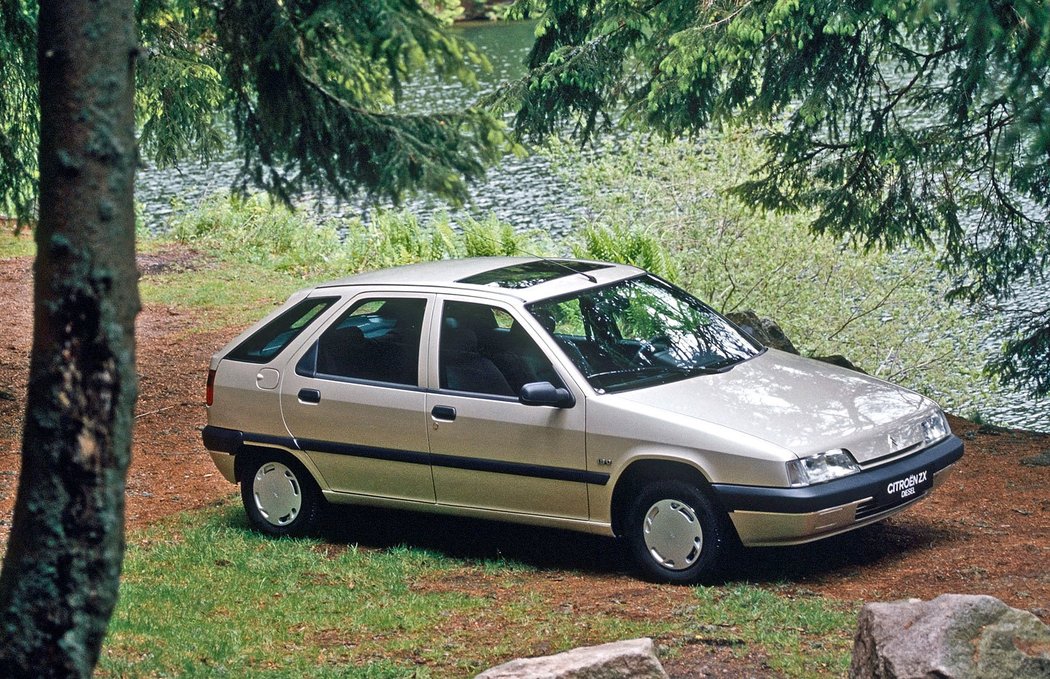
309, 396
447, 413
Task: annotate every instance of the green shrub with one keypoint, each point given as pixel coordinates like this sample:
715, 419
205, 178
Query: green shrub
626, 245
259, 232
396, 238
493, 238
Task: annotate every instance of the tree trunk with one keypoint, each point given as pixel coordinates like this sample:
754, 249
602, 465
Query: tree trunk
61, 571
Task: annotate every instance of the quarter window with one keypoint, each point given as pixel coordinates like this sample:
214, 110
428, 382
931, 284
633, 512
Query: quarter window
272, 338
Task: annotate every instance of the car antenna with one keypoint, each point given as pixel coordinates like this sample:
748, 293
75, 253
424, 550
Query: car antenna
563, 265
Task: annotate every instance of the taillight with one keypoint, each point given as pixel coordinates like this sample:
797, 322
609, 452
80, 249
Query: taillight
210, 392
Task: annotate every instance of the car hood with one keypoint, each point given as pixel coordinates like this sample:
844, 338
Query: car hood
800, 404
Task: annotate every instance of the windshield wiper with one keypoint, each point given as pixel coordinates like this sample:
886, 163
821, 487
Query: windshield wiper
715, 368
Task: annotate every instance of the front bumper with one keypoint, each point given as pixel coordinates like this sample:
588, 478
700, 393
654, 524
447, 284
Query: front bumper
784, 516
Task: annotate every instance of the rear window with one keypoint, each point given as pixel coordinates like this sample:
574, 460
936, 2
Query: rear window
272, 338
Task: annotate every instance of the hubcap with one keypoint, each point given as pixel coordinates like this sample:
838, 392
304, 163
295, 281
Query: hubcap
278, 496
672, 534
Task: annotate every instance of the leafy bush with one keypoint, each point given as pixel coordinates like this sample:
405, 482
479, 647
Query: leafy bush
657, 201
396, 238
627, 245
256, 231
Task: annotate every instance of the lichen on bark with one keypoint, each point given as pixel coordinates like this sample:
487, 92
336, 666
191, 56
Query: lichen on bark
61, 570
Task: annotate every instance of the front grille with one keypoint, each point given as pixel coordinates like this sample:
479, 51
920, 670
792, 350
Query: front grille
871, 507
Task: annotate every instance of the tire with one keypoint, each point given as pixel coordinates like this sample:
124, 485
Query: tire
675, 533
280, 497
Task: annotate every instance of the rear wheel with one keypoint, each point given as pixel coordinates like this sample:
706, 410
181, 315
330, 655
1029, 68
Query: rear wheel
279, 495
675, 533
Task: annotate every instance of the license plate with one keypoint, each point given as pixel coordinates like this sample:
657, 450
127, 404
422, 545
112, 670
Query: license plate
907, 487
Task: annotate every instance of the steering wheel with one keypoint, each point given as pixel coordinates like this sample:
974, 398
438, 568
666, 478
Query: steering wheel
649, 348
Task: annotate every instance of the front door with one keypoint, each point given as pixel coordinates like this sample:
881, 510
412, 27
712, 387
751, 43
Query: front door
489, 450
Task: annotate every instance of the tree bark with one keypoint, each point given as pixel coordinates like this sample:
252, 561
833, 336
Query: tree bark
61, 571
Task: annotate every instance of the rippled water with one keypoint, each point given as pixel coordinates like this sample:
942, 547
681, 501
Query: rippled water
521, 191
1011, 408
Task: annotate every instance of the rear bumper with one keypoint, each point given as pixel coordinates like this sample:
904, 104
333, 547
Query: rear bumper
784, 516
222, 444
222, 440
225, 464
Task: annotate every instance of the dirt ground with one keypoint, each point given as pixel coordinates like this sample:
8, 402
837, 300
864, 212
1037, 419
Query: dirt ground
987, 531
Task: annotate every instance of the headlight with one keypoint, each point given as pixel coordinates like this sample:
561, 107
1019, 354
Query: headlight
831, 464
934, 428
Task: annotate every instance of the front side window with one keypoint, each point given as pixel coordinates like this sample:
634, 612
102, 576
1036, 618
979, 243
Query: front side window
484, 350
642, 332
375, 340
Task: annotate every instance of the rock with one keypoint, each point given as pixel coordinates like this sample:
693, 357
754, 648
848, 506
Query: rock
627, 659
765, 330
1040, 460
954, 636
839, 360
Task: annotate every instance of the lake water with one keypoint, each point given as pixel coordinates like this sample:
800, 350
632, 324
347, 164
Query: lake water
521, 191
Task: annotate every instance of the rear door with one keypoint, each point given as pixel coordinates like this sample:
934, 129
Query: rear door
489, 450
354, 402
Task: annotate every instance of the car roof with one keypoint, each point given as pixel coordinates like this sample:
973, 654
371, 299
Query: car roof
523, 278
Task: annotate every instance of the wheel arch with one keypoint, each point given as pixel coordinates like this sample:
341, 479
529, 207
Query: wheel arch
641, 472
248, 452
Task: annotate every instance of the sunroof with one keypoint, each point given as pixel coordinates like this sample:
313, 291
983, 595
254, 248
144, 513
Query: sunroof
528, 274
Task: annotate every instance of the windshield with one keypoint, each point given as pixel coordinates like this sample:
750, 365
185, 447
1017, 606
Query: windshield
642, 332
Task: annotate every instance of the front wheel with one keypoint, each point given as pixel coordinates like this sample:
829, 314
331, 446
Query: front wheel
675, 533
279, 495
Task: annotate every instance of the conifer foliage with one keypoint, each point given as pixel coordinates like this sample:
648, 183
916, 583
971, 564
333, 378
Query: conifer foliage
305, 91
304, 84
898, 121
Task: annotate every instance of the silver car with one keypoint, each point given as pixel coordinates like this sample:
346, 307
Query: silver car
565, 393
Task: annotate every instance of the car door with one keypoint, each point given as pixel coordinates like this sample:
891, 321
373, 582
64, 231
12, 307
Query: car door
354, 402
489, 450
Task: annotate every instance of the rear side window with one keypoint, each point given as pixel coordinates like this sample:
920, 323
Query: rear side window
376, 340
272, 338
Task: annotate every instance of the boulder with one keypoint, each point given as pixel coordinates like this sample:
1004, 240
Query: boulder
765, 330
839, 360
954, 636
626, 659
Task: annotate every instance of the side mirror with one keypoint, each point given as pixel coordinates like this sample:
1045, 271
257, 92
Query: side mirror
545, 394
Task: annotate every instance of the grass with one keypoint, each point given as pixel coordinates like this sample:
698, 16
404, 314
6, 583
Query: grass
220, 295
15, 244
807, 636
202, 595
254, 232
255, 254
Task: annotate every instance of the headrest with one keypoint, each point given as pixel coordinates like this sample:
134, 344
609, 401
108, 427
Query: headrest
458, 339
